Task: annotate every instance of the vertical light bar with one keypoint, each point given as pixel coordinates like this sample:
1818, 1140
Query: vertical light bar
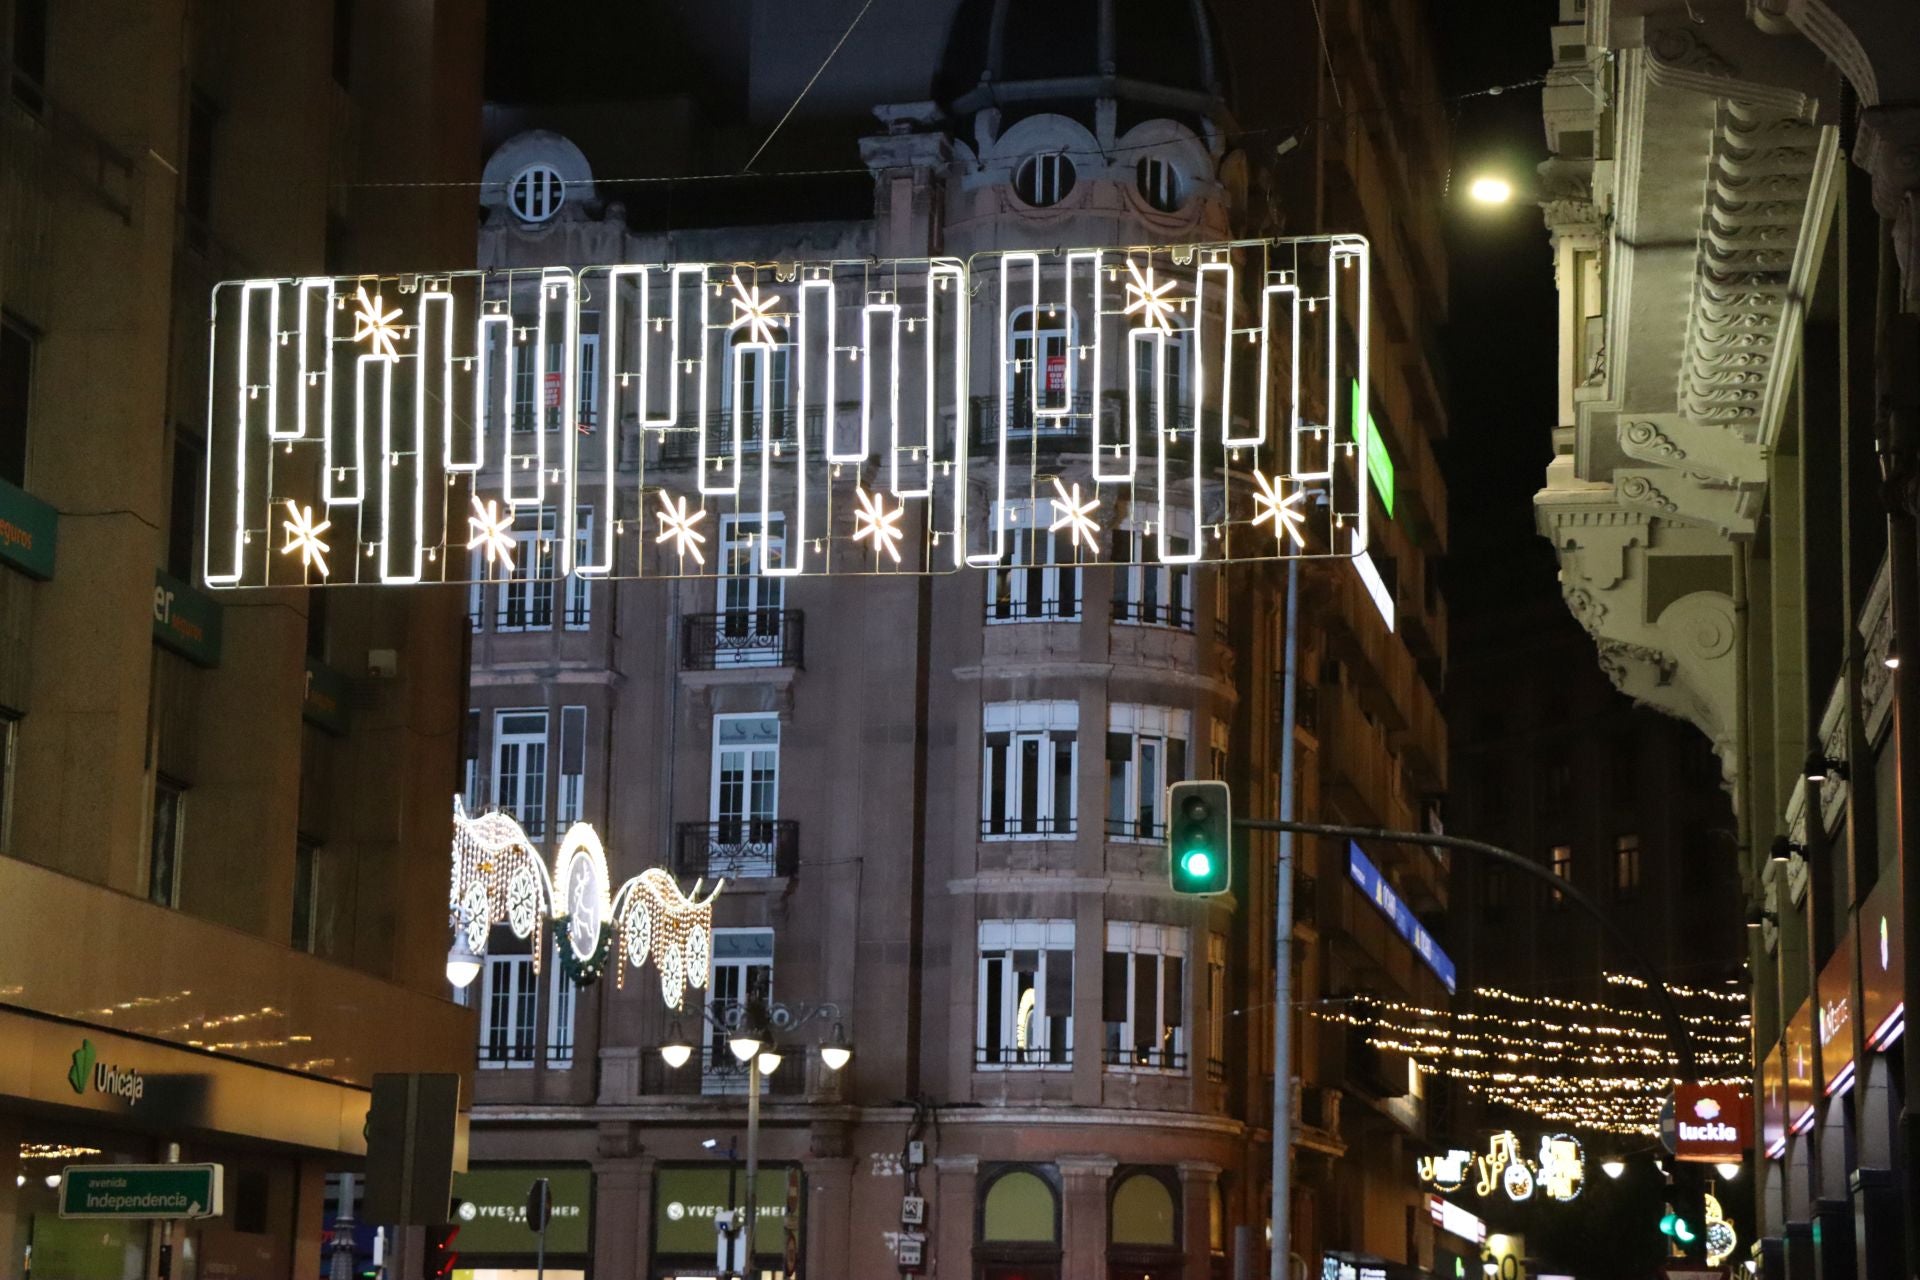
1223, 270
956, 274
591, 566
831, 434
308, 375
672, 318
930, 416
891, 310
1004, 376
1346, 255
430, 369
483, 393
389, 463
730, 358
231, 575
569, 410
1292, 294
1069, 374
1161, 497
333, 480
811, 291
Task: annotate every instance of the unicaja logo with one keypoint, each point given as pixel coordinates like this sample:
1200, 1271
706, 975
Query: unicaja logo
129, 1086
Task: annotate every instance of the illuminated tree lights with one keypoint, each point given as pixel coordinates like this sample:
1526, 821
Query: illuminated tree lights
1580, 1064
1170, 405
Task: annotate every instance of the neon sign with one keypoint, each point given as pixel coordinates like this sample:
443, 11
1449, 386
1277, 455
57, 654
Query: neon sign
1559, 1171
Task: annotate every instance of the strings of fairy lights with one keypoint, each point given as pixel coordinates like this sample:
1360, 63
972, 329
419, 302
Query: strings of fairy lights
1583, 1064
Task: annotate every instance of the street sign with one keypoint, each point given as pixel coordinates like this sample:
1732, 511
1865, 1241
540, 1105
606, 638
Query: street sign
913, 1211
1669, 1126
141, 1191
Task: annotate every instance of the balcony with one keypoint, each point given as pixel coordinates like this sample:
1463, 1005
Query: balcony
1143, 1058
721, 1073
1014, 826
1152, 612
989, 1057
740, 848
680, 446
742, 638
1142, 829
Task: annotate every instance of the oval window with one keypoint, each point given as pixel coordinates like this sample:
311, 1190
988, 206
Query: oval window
536, 193
1044, 180
1159, 184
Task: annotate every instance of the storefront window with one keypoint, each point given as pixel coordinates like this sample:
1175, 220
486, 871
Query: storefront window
1019, 1226
688, 1199
494, 1242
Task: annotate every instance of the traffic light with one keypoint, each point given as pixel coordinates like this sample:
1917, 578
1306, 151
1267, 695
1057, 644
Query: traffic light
1199, 837
439, 1258
1676, 1228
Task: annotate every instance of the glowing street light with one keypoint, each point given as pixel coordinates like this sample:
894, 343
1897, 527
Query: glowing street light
1613, 1168
1489, 189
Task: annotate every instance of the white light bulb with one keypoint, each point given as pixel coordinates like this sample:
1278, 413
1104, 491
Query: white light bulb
1613, 1168
462, 967
676, 1055
744, 1046
835, 1056
1490, 190
1728, 1170
769, 1061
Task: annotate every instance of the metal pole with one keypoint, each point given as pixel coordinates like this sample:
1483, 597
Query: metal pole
1670, 1012
749, 1269
340, 1261
1278, 1263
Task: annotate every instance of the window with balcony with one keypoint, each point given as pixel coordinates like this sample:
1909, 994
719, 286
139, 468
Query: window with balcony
570, 803
520, 768
526, 597
748, 630
560, 1002
1025, 1016
757, 385
1145, 591
586, 375
742, 975
1038, 581
1027, 776
1043, 386
509, 999
744, 796
579, 606
1146, 753
1142, 996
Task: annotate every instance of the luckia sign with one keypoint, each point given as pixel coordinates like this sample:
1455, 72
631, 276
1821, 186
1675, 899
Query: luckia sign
1559, 1172
1173, 405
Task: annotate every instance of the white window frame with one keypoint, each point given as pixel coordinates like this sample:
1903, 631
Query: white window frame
1059, 325
579, 601
586, 375
744, 843
1051, 730
743, 596
737, 954
536, 193
561, 1000
510, 1003
1216, 1003
1121, 1045
1003, 1017
779, 376
1136, 811
1054, 178
1624, 844
530, 585
1159, 183
523, 791
1038, 581
1169, 585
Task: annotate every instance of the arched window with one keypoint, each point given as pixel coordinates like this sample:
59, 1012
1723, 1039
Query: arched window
1143, 1225
536, 193
1159, 183
1044, 180
1019, 1229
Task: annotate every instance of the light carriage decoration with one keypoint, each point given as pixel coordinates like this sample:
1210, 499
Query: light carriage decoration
499, 878
1147, 405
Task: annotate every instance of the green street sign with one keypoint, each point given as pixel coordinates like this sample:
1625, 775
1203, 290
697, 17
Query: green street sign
185, 621
141, 1191
28, 530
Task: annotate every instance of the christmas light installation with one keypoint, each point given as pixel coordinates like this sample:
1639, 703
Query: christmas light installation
499, 878
1559, 1172
892, 414
1581, 1064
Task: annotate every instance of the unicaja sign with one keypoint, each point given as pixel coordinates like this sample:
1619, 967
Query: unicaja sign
86, 1070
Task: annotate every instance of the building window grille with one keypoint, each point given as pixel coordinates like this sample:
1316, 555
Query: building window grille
526, 597
1159, 184
1146, 753
1147, 592
1025, 1016
1044, 180
1038, 581
744, 799
742, 976
536, 193
1031, 755
1143, 997
509, 996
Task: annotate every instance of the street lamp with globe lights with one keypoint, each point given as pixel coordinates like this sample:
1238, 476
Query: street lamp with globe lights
462, 965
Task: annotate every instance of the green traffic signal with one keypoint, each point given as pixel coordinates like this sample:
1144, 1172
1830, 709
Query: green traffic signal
1199, 837
1676, 1227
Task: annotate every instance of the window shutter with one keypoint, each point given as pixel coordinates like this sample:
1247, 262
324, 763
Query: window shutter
573, 740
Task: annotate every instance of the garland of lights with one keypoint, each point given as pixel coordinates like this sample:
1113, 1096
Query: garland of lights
1585, 1065
499, 878
858, 416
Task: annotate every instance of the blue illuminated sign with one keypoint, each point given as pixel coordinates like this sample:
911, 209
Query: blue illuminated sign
1370, 882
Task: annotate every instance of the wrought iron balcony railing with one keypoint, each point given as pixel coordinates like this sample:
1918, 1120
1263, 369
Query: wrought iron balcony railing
992, 1057
738, 848
1154, 613
1136, 829
1015, 826
1145, 1057
742, 638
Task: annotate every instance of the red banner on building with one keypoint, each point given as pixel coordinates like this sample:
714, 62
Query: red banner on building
1712, 1122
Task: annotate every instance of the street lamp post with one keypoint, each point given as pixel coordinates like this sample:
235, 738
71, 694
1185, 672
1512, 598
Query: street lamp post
749, 1028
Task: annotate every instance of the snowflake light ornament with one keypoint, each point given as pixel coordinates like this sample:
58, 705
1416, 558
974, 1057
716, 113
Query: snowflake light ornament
492, 529
1284, 511
1073, 514
303, 535
374, 325
754, 312
1149, 299
676, 522
875, 521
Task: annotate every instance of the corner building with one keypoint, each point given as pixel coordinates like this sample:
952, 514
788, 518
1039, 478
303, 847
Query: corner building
222, 841
937, 802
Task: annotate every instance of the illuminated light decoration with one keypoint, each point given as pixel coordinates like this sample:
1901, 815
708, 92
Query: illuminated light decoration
1447, 1172
965, 390
374, 325
1376, 586
1284, 512
677, 524
493, 530
498, 878
1561, 1170
1072, 514
303, 535
1559, 1174
1023, 1019
1451, 1218
1721, 1237
875, 521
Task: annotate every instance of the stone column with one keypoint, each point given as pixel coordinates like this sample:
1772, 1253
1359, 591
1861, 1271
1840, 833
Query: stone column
622, 1208
309, 1212
950, 1214
1197, 1179
1083, 1214
827, 1239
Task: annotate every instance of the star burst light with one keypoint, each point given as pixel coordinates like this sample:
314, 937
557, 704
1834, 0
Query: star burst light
374, 325
492, 530
677, 522
1150, 299
1285, 512
1073, 514
303, 535
874, 520
754, 312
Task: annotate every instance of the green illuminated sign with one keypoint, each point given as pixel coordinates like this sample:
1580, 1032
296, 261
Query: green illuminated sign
28, 528
185, 621
1379, 461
